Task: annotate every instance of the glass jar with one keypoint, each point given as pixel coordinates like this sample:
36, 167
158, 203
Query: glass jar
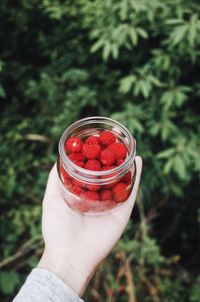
76, 181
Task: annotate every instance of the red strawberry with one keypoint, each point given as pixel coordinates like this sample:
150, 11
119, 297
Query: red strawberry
107, 137
120, 192
76, 156
73, 144
126, 177
93, 164
119, 150
119, 162
67, 182
122, 289
90, 195
64, 175
93, 187
92, 140
76, 189
110, 185
107, 157
105, 168
105, 195
78, 183
91, 151
80, 164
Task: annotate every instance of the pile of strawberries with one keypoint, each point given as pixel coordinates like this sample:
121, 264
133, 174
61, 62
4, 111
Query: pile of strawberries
98, 153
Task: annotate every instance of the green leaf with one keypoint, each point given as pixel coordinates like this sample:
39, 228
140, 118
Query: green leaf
167, 99
179, 167
154, 80
99, 44
145, 88
192, 30
135, 125
178, 34
168, 166
8, 281
133, 36
174, 21
2, 92
106, 50
142, 32
115, 51
166, 153
154, 130
124, 9
126, 83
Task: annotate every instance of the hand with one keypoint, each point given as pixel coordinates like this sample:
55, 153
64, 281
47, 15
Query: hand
76, 243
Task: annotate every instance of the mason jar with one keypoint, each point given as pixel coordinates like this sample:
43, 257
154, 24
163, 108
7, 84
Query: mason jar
77, 181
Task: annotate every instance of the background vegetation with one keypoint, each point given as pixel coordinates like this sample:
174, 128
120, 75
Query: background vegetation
135, 61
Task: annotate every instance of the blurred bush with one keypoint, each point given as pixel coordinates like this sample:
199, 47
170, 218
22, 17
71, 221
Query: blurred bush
137, 62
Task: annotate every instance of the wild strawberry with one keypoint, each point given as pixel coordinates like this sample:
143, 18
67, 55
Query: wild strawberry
122, 289
77, 190
67, 182
105, 195
120, 192
107, 137
93, 187
119, 150
105, 168
91, 151
126, 177
119, 162
80, 164
107, 157
110, 185
90, 195
64, 175
73, 144
92, 140
76, 156
78, 183
93, 164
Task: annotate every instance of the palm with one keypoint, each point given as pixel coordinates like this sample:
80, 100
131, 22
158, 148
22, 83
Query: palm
82, 239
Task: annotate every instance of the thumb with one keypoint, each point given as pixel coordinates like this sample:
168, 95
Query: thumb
138, 163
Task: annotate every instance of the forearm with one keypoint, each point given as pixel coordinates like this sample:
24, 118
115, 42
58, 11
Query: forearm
68, 271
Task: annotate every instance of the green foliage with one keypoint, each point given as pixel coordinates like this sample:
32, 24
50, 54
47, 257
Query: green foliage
8, 281
134, 61
173, 290
195, 291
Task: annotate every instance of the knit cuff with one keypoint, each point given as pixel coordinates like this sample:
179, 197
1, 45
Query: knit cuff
45, 286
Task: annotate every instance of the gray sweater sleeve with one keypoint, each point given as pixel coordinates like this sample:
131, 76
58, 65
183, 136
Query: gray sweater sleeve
44, 286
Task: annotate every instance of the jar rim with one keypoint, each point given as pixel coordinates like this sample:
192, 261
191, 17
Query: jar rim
97, 119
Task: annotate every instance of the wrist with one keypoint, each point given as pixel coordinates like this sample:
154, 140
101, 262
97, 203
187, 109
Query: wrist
67, 270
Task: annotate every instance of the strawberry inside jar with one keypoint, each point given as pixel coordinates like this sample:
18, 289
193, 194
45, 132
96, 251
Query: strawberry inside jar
101, 156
